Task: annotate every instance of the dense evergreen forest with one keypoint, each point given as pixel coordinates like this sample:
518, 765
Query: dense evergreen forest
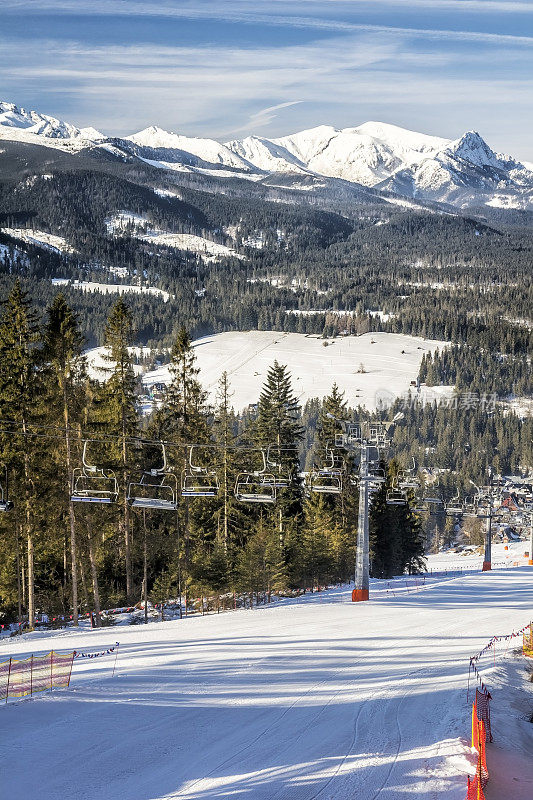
466, 280
58, 555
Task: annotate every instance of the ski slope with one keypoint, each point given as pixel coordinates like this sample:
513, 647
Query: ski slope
390, 360
314, 699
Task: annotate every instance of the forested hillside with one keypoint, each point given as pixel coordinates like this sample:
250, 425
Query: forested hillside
351, 267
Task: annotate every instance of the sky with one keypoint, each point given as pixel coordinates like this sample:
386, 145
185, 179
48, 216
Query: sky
229, 68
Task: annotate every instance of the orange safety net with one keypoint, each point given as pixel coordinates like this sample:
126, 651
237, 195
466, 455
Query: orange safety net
527, 642
35, 674
480, 732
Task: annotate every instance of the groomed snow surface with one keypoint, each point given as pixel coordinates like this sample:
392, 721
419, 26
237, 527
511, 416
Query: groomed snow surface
391, 361
314, 699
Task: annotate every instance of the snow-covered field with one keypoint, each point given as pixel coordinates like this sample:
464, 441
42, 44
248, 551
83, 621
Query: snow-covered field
313, 699
122, 221
208, 250
43, 239
391, 362
98, 365
112, 288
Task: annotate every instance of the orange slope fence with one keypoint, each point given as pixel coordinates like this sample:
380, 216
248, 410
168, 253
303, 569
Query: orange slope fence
527, 641
19, 678
481, 730
480, 733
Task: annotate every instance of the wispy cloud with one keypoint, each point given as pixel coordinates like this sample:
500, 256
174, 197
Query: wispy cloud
261, 14
437, 81
261, 119
219, 91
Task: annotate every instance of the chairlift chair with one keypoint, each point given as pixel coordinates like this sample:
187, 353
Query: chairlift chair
5, 502
91, 484
327, 479
281, 480
454, 507
378, 434
197, 480
157, 489
257, 486
395, 497
407, 478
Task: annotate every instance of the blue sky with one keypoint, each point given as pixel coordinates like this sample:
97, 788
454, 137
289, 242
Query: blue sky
228, 68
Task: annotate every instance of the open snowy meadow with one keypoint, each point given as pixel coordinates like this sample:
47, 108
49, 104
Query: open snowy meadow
310, 699
368, 368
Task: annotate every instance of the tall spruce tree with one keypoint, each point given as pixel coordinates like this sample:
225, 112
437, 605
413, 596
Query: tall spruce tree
66, 384
278, 427
19, 407
116, 412
183, 419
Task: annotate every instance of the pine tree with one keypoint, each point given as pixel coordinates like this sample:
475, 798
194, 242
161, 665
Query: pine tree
316, 549
66, 375
278, 430
183, 419
116, 413
19, 404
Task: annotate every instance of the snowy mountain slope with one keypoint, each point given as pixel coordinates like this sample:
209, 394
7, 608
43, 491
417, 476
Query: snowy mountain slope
461, 172
391, 362
317, 698
267, 155
164, 145
17, 124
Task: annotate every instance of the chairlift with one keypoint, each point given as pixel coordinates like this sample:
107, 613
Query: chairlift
5, 502
326, 481
407, 478
454, 507
470, 508
257, 486
281, 481
329, 478
395, 497
91, 484
378, 434
157, 489
351, 436
197, 480
375, 479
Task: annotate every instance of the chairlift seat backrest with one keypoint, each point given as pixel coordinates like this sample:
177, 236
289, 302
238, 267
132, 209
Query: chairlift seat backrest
95, 487
326, 481
199, 485
395, 498
255, 487
160, 496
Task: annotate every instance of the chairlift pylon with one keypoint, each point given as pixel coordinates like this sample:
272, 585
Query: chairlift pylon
91, 484
156, 489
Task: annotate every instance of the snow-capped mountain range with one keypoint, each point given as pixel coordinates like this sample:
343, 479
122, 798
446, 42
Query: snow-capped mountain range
462, 172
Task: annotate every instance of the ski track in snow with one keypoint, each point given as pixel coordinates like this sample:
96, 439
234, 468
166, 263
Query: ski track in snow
318, 699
